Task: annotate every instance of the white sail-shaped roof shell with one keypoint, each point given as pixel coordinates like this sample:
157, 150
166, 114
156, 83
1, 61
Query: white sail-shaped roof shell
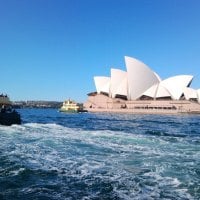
190, 93
158, 77
102, 84
151, 92
198, 95
162, 91
157, 91
118, 83
140, 78
175, 85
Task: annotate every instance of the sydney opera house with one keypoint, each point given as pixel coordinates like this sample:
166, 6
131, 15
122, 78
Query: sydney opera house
140, 90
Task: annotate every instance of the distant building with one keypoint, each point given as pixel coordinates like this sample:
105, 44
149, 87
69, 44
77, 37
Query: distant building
140, 84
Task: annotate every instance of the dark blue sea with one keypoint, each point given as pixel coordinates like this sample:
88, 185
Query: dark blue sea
57, 156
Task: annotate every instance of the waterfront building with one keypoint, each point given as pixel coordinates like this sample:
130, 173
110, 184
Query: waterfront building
139, 84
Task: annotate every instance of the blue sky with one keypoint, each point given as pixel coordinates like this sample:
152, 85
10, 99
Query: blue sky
52, 49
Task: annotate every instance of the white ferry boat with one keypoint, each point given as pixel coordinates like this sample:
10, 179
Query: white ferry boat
71, 106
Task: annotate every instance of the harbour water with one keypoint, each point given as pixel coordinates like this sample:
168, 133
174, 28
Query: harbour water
58, 156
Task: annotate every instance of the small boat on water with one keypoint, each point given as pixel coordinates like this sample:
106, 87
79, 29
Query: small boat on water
71, 106
8, 115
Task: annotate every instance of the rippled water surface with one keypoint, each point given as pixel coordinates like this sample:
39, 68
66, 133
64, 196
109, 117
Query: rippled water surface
100, 156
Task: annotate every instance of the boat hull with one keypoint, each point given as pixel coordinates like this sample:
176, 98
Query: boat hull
73, 111
68, 111
8, 119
